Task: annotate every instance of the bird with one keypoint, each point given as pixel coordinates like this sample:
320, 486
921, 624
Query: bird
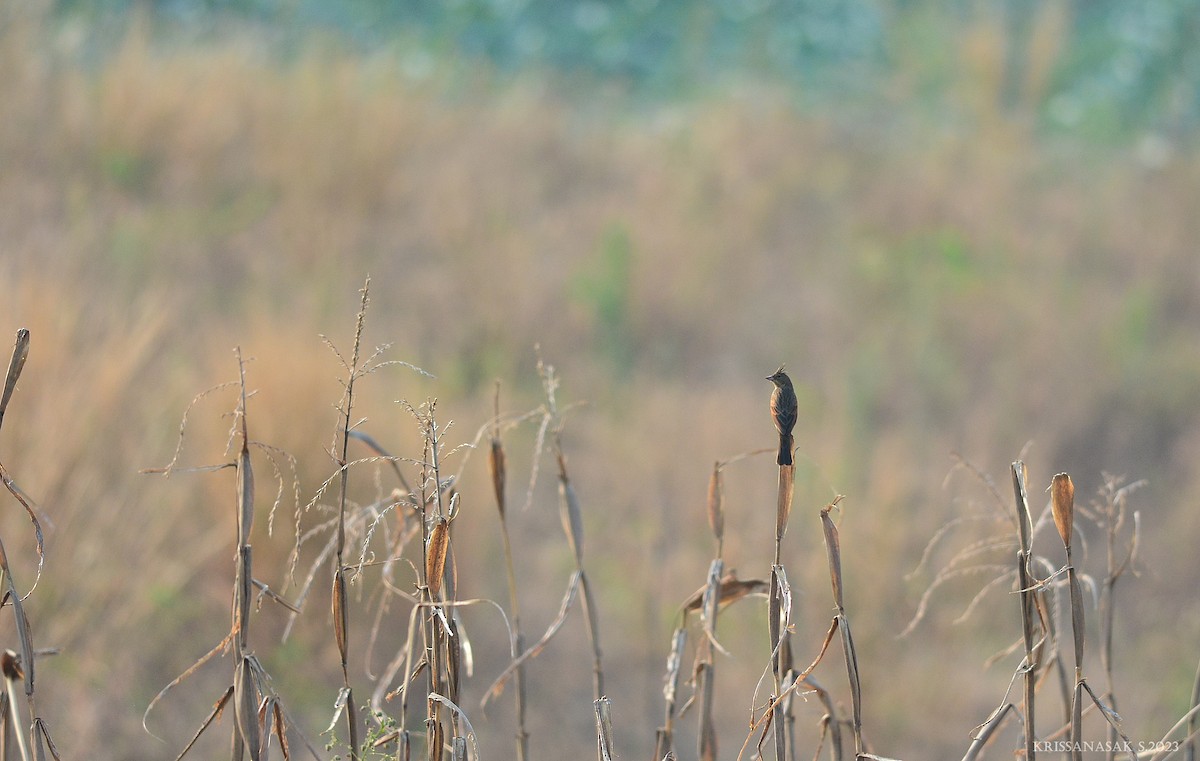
783, 412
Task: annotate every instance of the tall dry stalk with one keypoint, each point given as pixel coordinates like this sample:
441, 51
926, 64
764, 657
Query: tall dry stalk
345, 699
259, 714
833, 551
498, 471
18, 668
779, 625
571, 514
1111, 513
1062, 502
705, 671
604, 730
1026, 590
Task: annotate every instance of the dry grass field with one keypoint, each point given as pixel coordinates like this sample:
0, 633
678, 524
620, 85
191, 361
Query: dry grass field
949, 295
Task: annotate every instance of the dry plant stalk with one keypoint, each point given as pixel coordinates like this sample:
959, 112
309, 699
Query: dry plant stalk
664, 737
1062, 496
1025, 587
705, 669
340, 614
572, 520
604, 730
34, 741
1111, 513
570, 513
258, 712
834, 552
498, 472
719, 591
779, 624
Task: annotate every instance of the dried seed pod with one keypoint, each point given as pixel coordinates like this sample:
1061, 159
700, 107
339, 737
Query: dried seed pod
716, 504
339, 612
496, 468
435, 556
1062, 504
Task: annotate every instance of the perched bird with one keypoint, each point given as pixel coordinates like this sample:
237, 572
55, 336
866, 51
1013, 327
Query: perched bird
783, 412
730, 591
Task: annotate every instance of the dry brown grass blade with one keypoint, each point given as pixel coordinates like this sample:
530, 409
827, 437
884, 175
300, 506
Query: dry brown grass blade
834, 552
829, 722
213, 715
27, 503
15, 365
222, 645
266, 591
1113, 719
497, 686
42, 733
461, 715
386, 457
435, 556
280, 725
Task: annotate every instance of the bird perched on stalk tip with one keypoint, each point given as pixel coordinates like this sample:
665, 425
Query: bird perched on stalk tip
783, 412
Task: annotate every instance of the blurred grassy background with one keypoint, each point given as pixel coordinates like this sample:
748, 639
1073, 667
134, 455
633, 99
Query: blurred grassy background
963, 232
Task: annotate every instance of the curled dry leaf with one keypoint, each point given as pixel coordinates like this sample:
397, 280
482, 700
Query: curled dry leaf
497, 470
339, 612
435, 557
716, 506
1062, 503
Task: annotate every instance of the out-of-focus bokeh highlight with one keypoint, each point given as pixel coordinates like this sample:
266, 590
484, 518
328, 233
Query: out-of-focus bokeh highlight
969, 229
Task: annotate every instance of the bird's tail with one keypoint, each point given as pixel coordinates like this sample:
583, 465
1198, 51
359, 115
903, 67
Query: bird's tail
785, 449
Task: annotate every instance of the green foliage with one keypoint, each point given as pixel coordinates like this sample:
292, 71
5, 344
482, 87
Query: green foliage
604, 289
1114, 70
